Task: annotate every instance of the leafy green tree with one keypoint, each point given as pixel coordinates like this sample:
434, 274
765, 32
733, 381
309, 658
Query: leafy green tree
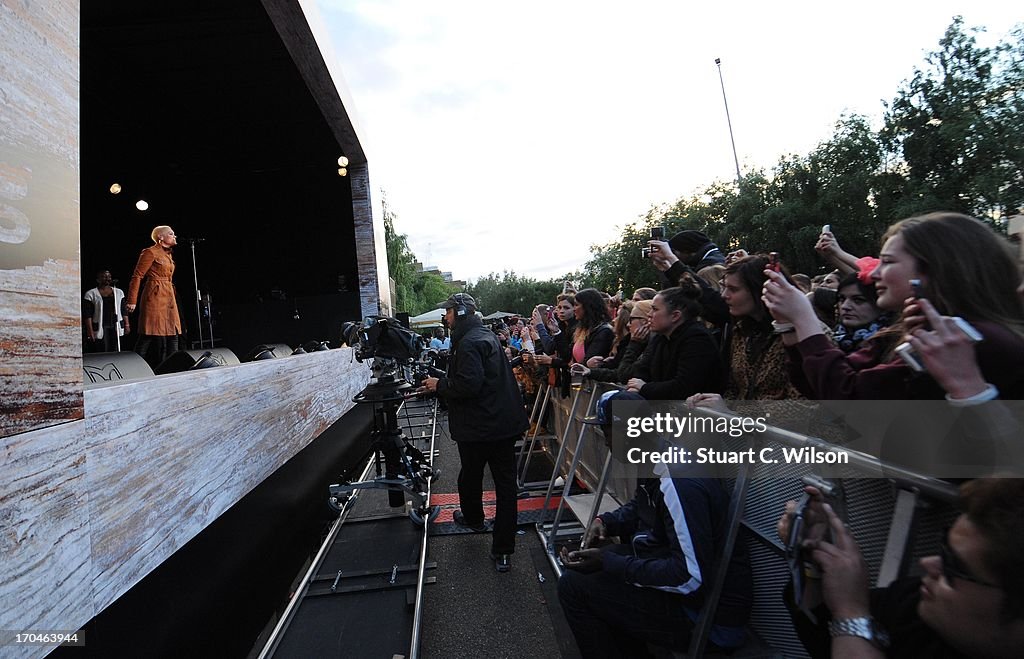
953, 139
955, 128
512, 293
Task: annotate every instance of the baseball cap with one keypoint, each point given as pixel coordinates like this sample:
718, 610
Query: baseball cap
455, 299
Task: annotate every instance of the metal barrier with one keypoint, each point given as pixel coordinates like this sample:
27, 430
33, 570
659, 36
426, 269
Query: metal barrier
895, 518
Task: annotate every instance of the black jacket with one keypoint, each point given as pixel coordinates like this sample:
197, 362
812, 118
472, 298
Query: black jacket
715, 311
599, 342
484, 403
622, 370
683, 364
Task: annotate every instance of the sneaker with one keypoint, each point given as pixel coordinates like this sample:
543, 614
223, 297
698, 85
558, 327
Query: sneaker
460, 520
502, 562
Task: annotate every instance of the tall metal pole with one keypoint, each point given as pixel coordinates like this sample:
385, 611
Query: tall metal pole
718, 62
195, 280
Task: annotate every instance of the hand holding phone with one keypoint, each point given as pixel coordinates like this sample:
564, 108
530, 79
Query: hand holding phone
582, 560
774, 264
803, 520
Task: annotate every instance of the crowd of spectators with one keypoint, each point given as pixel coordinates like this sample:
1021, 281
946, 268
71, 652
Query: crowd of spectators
721, 328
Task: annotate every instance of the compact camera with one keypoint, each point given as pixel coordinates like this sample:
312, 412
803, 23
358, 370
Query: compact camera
657, 233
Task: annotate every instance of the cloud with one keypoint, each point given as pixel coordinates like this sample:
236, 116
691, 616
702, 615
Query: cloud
515, 136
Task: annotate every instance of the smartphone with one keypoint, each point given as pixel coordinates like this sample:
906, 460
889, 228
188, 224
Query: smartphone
972, 333
657, 233
826, 228
915, 284
773, 262
795, 557
905, 351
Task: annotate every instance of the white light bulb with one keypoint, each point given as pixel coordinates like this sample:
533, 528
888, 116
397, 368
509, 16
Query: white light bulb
142, 204
343, 162
115, 188
342, 171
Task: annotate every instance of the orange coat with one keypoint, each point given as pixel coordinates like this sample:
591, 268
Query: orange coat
158, 310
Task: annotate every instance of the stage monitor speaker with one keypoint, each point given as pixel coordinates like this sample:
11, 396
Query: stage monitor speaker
190, 360
280, 349
259, 353
105, 367
268, 351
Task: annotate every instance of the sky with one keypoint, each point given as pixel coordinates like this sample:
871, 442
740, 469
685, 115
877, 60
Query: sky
515, 136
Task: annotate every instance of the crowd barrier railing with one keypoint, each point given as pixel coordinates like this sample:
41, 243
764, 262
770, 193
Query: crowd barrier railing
886, 513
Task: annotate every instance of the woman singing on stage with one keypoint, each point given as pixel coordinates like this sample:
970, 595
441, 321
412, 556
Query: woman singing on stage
159, 322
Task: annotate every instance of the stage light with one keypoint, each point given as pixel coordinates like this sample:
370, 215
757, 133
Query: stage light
115, 188
342, 171
343, 162
142, 205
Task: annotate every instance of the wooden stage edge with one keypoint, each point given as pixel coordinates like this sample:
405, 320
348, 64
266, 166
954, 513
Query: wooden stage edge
88, 508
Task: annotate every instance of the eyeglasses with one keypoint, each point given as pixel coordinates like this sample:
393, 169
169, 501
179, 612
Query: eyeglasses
954, 568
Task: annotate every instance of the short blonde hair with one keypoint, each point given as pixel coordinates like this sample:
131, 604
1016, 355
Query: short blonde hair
159, 231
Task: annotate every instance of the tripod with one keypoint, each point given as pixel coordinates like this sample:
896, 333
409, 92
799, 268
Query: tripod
400, 467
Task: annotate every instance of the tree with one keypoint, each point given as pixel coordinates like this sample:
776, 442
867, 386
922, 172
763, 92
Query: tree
953, 139
955, 129
511, 292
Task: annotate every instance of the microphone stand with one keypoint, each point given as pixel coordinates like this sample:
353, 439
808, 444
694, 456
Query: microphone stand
207, 306
195, 280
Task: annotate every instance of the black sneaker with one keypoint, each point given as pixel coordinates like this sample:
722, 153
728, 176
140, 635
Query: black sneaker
502, 562
460, 520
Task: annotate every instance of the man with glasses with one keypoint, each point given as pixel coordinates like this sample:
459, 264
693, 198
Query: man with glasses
968, 603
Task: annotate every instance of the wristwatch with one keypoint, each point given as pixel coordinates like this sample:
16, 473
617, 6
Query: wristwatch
866, 628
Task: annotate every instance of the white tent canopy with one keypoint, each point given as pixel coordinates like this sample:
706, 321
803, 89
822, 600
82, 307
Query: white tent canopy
431, 318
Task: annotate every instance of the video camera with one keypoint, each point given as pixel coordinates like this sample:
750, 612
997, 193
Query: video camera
400, 356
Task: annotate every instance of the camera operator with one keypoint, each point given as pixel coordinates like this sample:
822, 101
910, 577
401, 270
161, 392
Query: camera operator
485, 416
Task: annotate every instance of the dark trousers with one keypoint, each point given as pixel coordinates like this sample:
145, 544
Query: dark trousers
163, 346
612, 618
501, 457
107, 344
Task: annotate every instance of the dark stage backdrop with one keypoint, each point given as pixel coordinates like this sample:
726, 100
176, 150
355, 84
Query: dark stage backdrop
203, 114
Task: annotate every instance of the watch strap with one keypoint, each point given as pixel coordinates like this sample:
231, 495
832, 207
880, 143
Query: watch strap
863, 627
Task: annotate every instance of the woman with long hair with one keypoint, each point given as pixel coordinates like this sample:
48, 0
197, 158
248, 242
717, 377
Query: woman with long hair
593, 335
630, 347
620, 330
961, 267
556, 341
752, 348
